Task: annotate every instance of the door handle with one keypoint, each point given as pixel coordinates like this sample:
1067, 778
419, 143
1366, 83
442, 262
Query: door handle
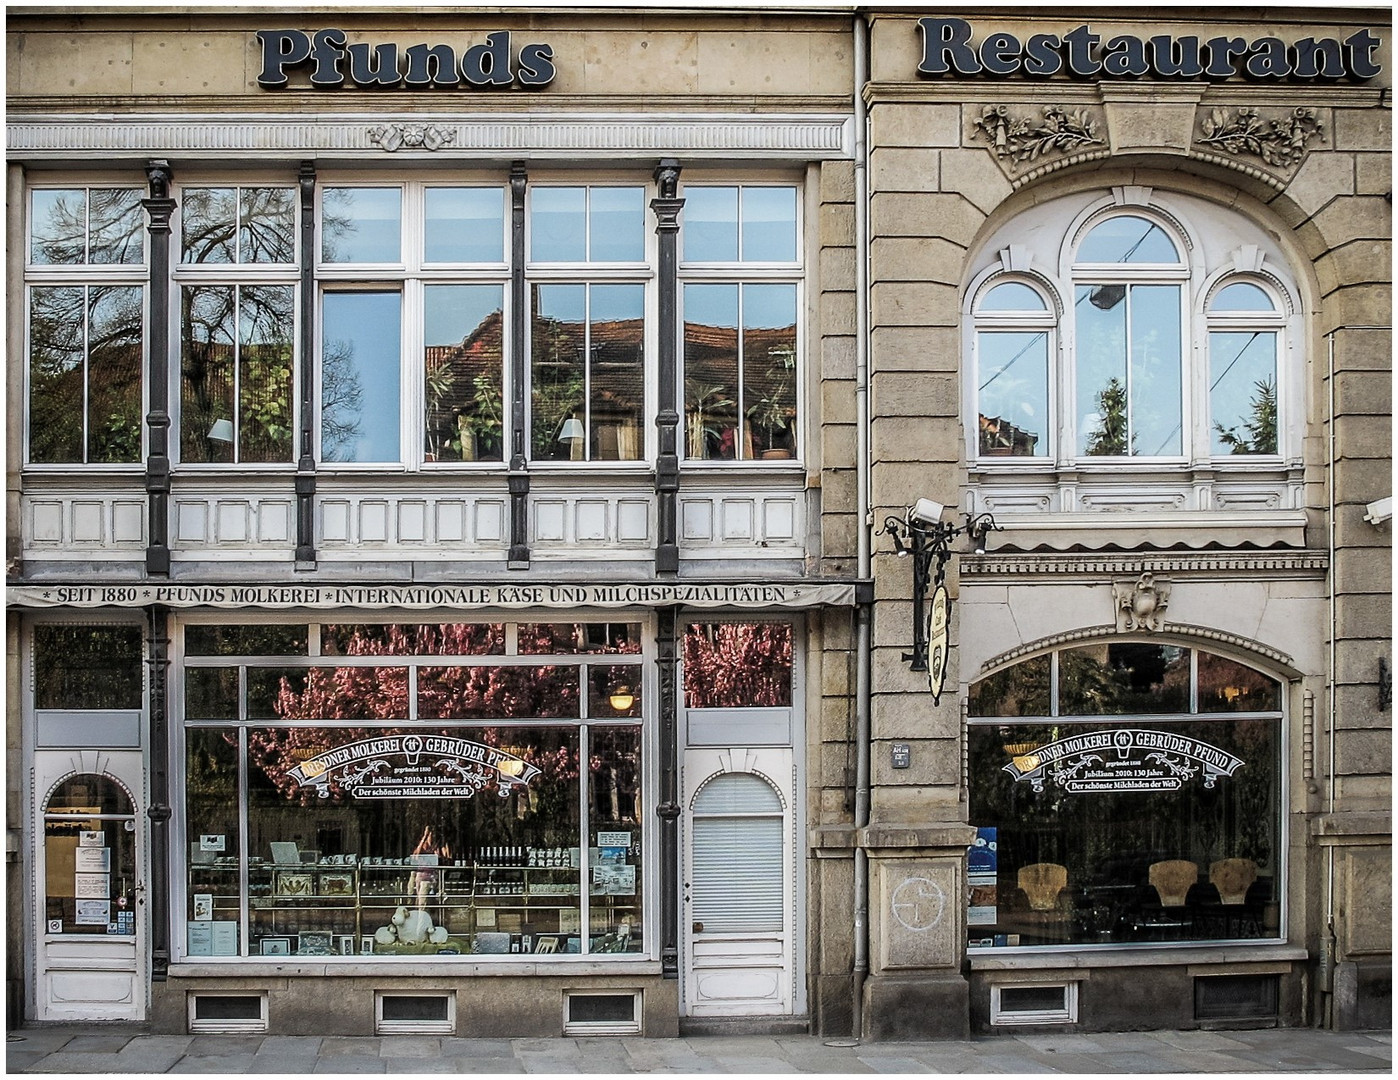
698, 928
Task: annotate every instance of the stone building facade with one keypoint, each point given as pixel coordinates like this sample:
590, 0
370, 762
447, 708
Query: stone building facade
453, 528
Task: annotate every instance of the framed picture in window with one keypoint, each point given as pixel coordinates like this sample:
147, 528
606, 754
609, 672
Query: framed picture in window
337, 883
276, 946
346, 943
315, 943
295, 883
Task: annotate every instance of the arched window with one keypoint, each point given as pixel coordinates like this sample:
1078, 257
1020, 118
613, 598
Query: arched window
1125, 791
1014, 326
1128, 311
1245, 326
1130, 328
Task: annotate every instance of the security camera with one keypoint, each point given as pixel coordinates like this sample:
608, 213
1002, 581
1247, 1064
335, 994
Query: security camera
925, 512
1379, 511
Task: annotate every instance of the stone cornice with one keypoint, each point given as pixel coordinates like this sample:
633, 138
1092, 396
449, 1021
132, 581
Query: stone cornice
1303, 563
975, 92
490, 136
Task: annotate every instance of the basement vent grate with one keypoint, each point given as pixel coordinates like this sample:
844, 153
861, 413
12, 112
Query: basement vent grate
416, 1014
1235, 997
601, 1013
1036, 1003
227, 1013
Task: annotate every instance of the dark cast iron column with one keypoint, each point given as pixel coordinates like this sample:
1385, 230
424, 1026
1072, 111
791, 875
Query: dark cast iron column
306, 462
518, 476
668, 808
159, 810
667, 208
160, 206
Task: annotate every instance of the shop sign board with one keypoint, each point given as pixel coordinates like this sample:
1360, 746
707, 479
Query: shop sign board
948, 48
330, 58
938, 615
452, 597
1123, 759
414, 766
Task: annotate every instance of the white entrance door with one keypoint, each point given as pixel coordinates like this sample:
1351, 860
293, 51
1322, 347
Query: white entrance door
89, 888
739, 883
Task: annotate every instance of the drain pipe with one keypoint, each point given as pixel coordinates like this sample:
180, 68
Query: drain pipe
1328, 953
864, 612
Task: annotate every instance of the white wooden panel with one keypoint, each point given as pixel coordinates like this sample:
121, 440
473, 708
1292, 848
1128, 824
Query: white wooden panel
103, 987
87, 521
274, 522
548, 519
697, 519
47, 518
412, 521
335, 520
451, 521
192, 522
490, 522
737, 519
231, 522
591, 516
779, 519
128, 521
373, 521
633, 520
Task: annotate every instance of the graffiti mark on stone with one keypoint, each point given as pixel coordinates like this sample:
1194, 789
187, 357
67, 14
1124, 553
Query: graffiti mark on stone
918, 903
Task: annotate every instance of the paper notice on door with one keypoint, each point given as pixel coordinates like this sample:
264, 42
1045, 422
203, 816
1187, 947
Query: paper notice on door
93, 912
93, 860
92, 886
95, 838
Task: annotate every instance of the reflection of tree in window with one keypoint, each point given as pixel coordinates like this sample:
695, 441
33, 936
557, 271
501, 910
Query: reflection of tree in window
737, 665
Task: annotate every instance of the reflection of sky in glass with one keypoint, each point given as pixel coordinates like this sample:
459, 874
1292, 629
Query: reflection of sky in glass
566, 303
362, 225
769, 224
362, 347
1156, 405
453, 311
711, 305
557, 224
1012, 296
1014, 379
1242, 296
617, 225
710, 224
1127, 239
617, 302
769, 306
465, 225
1238, 362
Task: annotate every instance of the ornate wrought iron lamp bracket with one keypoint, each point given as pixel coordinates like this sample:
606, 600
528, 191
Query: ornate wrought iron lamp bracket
926, 539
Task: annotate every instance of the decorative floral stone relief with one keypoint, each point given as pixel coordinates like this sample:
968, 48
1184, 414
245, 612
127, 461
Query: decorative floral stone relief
1141, 604
1025, 138
412, 136
1279, 141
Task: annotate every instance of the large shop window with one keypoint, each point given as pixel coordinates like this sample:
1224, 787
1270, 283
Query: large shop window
1124, 337
86, 325
1125, 792
410, 790
741, 258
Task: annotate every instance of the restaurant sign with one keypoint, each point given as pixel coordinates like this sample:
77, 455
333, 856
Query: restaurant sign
414, 766
1123, 759
947, 48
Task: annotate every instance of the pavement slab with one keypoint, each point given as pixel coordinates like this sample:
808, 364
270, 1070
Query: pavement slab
214, 1066
410, 1046
350, 1065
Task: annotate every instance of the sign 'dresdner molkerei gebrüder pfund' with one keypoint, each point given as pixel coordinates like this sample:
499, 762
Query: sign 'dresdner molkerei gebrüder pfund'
948, 48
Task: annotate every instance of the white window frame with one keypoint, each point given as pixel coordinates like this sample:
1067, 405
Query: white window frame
409, 275
85, 275
739, 272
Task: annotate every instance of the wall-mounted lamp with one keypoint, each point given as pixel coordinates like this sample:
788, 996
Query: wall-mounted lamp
622, 698
923, 535
222, 431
